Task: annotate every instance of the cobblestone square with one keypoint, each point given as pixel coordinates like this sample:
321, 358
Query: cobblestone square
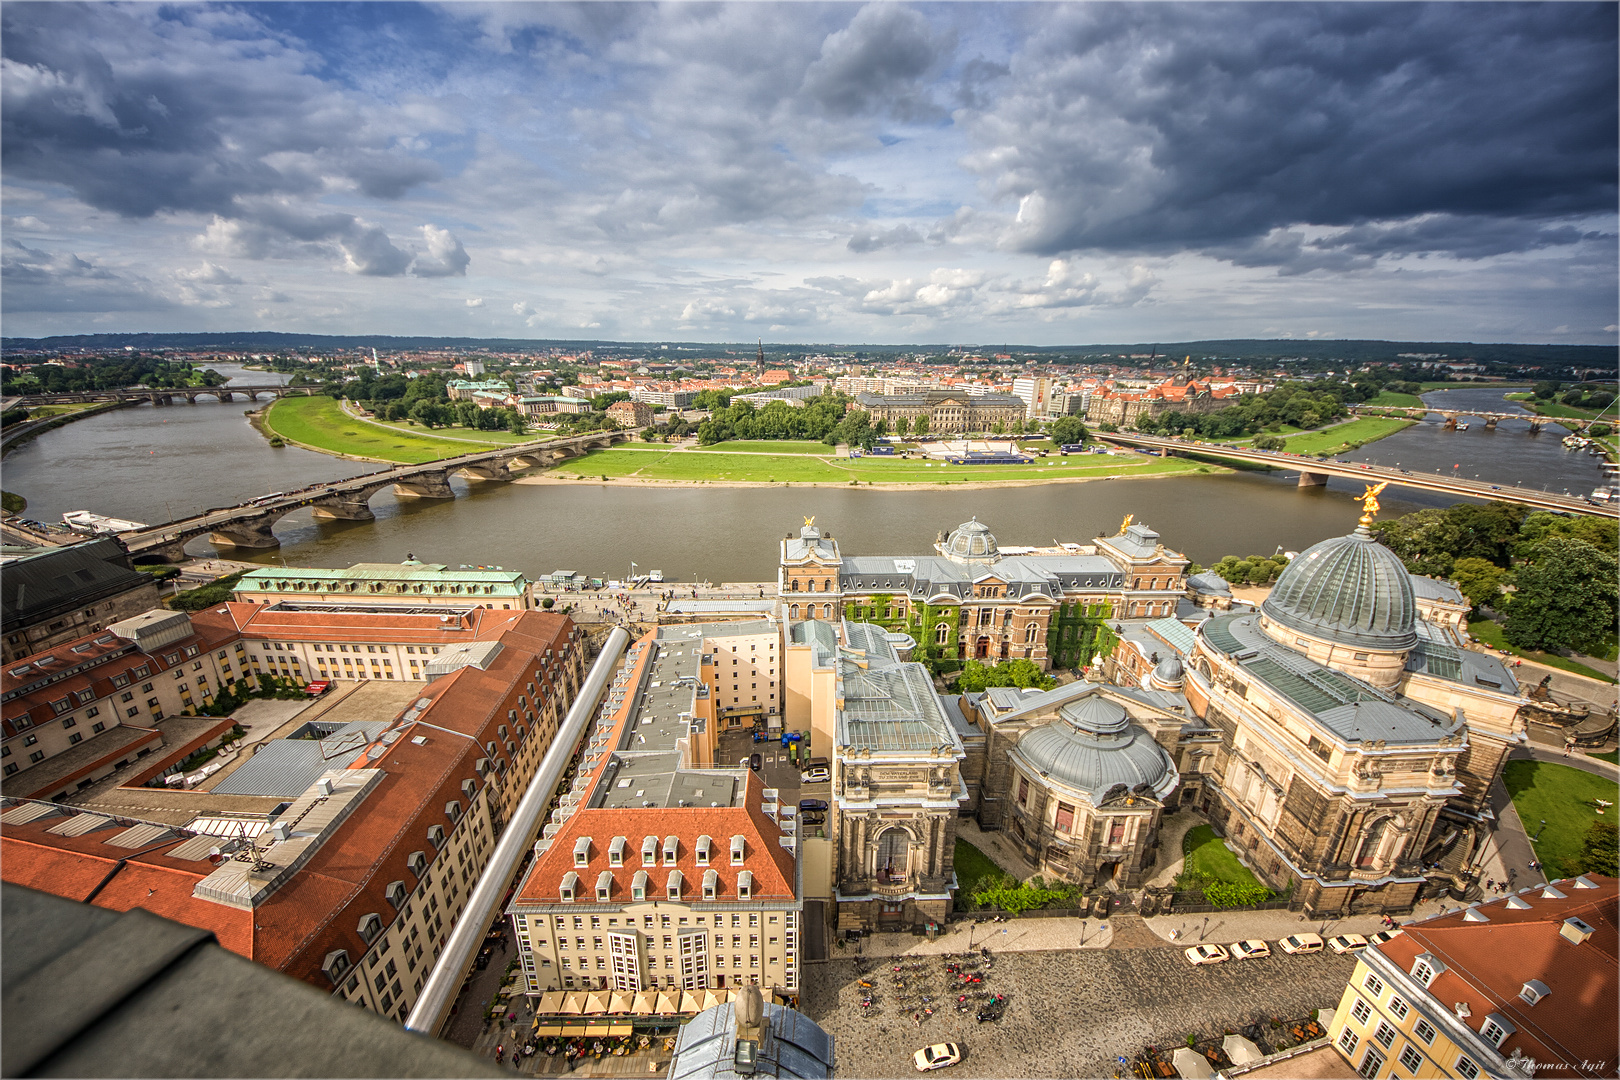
1070, 1013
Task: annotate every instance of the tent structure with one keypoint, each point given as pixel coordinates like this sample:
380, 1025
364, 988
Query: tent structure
551, 1002
690, 1004
619, 1003
595, 1004
666, 1005
573, 1005
1191, 1065
642, 1006
708, 1001
1240, 1050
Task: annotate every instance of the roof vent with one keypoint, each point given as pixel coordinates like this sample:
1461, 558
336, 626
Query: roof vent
1550, 893
1584, 882
1473, 914
1517, 903
1574, 930
282, 830
1533, 991
326, 786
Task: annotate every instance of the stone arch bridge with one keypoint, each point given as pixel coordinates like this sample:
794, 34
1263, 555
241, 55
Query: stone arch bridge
166, 395
250, 525
1449, 417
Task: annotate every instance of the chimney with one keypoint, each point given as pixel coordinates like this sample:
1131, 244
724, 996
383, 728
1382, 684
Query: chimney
326, 786
1574, 930
281, 830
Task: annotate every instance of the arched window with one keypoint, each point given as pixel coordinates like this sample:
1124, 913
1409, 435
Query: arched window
893, 855
795, 584
942, 633
826, 586
793, 612
1031, 632
826, 611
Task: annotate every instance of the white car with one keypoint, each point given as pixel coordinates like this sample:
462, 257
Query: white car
1206, 954
1301, 943
1253, 949
937, 1056
1344, 943
1385, 935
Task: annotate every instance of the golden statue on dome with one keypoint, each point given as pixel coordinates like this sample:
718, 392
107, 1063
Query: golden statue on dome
1369, 502
809, 521
1126, 523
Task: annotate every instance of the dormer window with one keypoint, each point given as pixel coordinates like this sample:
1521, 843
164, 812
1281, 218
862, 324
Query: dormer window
417, 863
1533, 991
582, 851
396, 894
336, 964
469, 788
570, 886
638, 885
745, 885
604, 886
436, 835
703, 846
737, 848
649, 851
1496, 1029
616, 851
370, 926
673, 888
1426, 967
671, 847
711, 884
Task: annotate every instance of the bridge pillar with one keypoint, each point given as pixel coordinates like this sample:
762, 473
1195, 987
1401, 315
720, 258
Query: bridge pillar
434, 485
1536, 423
245, 534
1490, 423
1312, 479
493, 470
340, 508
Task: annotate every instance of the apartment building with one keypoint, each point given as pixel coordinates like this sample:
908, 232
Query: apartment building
345, 857
662, 869
1523, 986
407, 584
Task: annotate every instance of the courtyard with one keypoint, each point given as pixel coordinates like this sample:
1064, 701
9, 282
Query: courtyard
1070, 1013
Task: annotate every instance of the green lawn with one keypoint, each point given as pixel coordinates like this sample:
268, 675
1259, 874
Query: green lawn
45, 412
320, 423
1490, 633
784, 446
457, 433
1390, 397
1559, 410
1562, 797
1345, 437
973, 868
1612, 757
715, 465
1208, 859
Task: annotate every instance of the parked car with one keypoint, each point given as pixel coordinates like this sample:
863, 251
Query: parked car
755, 761
1253, 949
814, 819
937, 1056
1207, 954
812, 804
1384, 935
1301, 943
1343, 943
318, 687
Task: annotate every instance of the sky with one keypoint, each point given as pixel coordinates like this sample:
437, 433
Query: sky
997, 173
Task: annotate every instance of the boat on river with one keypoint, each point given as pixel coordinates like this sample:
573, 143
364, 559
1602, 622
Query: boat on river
83, 521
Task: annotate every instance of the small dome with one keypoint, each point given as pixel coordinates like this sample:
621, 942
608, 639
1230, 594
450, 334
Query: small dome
1351, 590
1168, 674
1093, 748
971, 540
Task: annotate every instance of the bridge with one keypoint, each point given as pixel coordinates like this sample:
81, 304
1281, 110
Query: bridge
163, 395
1535, 420
250, 525
1314, 472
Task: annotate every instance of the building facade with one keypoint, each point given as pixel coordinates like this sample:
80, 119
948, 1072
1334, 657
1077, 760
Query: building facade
948, 412
1123, 408
632, 415
57, 595
407, 584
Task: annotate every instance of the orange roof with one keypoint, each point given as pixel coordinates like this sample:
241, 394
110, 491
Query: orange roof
1488, 963
259, 621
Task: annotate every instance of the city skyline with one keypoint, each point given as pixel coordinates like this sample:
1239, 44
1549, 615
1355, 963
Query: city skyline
805, 173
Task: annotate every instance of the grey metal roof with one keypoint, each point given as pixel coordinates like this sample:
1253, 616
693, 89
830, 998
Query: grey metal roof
1464, 666
286, 768
1092, 748
1175, 633
793, 1046
887, 705
949, 705
1348, 589
1209, 582
60, 579
1431, 589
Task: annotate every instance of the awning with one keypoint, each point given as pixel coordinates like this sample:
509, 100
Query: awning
547, 1031
1240, 1050
620, 1003
600, 1028
1191, 1065
642, 1006
571, 1030
620, 1029
689, 1004
595, 1004
666, 1005
708, 1001
551, 1002
573, 1004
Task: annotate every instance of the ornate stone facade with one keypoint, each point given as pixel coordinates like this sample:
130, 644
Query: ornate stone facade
949, 412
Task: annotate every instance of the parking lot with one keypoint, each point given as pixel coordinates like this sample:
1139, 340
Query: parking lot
1068, 1013
777, 769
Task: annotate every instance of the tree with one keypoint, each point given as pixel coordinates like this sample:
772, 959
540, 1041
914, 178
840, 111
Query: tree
902, 427
1600, 851
514, 422
1566, 599
1544, 390
1069, 431
919, 425
1479, 580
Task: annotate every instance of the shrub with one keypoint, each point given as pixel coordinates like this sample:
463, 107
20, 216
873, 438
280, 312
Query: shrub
1225, 894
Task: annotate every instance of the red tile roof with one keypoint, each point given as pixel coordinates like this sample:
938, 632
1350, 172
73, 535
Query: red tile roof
258, 622
1488, 963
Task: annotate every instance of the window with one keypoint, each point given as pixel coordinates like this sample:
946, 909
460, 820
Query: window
36, 757
1348, 1041
1361, 1011
1495, 1029
1465, 1069
1411, 1059
75, 737
30, 740
1374, 984
70, 722
1385, 1034
1065, 818
1372, 1063
1423, 1030
1398, 1007
1422, 972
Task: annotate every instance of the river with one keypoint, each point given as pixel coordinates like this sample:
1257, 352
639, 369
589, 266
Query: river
152, 463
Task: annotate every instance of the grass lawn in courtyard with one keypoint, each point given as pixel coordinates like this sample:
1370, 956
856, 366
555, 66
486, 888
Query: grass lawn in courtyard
973, 868
319, 422
1562, 797
718, 466
1345, 437
1208, 859
1490, 633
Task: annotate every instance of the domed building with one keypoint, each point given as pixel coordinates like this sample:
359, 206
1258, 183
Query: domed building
1357, 739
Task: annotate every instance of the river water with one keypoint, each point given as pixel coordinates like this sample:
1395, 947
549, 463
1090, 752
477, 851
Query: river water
153, 463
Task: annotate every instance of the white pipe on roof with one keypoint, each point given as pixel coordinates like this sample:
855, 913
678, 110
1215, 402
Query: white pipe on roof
444, 981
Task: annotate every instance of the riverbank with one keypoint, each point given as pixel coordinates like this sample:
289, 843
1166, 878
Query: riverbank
1343, 438
320, 424
17, 434
660, 466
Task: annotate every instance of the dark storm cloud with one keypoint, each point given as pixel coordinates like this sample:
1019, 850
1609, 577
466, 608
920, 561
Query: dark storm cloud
1158, 128
878, 64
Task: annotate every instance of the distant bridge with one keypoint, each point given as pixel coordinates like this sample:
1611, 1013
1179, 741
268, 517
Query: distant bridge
163, 395
1314, 472
1535, 420
250, 524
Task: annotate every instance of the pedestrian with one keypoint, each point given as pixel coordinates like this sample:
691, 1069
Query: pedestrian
1490, 883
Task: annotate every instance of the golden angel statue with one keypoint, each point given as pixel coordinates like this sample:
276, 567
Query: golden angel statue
1127, 522
809, 521
1369, 501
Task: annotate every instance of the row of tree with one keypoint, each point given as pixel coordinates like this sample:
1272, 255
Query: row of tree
1296, 404
105, 373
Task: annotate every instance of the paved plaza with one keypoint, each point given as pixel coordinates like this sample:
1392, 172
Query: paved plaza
1070, 1013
